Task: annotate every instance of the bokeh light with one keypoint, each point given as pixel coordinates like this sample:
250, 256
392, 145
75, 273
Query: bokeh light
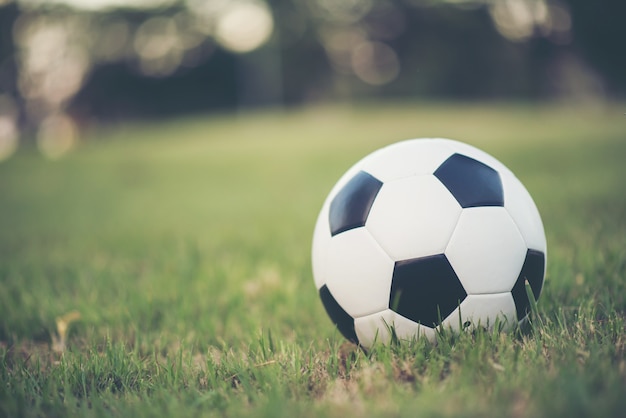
157, 46
53, 61
96, 5
243, 26
205, 11
9, 134
57, 136
345, 11
560, 24
339, 44
515, 19
519, 20
375, 63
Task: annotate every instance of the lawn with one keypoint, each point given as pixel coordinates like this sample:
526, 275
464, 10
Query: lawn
163, 269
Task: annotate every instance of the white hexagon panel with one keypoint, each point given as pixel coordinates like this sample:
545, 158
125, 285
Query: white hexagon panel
358, 273
407, 158
378, 327
483, 311
486, 250
413, 217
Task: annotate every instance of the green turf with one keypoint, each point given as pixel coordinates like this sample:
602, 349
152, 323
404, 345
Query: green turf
184, 246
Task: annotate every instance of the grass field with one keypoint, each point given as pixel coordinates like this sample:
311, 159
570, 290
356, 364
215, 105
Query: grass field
164, 270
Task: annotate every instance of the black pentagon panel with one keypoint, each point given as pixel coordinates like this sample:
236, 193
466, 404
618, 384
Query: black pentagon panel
532, 271
350, 207
344, 322
425, 290
471, 182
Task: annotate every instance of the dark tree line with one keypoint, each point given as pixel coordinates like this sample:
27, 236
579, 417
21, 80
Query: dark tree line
443, 51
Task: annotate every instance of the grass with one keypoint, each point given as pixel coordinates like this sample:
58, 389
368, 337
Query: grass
164, 270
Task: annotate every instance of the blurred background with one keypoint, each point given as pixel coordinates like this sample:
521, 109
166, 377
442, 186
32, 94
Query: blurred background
68, 65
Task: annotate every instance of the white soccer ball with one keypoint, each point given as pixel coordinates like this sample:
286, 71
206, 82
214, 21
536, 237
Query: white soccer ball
427, 233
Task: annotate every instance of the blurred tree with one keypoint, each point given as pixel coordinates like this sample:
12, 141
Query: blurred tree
179, 56
9, 97
600, 35
115, 92
8, 70
457, 53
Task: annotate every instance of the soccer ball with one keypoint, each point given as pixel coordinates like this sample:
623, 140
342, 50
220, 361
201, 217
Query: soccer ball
427, 234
